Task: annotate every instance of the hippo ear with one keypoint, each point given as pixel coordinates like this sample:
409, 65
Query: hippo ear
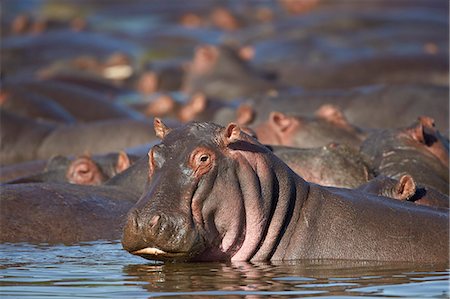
196, 105
123, 162
245, 114
148, 82
161, 129
405, 188
4, 95
205, 58
332, 114
280, 121
84, 171
231, 133
247, 53
163, 105
423, 130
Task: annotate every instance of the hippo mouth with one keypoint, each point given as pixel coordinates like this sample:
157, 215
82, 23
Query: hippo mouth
156, 253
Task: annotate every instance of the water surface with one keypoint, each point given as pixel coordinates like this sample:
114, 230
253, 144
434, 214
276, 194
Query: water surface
104, 270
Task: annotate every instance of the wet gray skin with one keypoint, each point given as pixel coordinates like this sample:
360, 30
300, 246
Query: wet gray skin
332, 165
219, 72
418, 150
405, 189
42, 140
215, 193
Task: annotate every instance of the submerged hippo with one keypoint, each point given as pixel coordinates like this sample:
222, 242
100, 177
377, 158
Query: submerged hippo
215, 193
405, 189
328, 125
419, 150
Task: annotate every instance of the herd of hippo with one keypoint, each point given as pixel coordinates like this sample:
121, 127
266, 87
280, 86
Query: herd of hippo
217, 131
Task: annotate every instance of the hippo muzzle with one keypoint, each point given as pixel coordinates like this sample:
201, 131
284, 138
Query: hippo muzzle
160, 236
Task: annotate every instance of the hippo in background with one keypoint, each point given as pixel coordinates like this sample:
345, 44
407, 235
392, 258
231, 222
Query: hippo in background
364, 107
276, 214
394, 45
222, 72
327, 126
65, 213
84, 104
418, 150
405, 189
84, 169
42, 140
334, 165
34, 106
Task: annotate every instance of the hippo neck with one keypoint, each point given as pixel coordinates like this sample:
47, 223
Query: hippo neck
271, 200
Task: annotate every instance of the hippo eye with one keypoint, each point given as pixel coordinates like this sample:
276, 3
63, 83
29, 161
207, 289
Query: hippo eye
204, 158
201, 161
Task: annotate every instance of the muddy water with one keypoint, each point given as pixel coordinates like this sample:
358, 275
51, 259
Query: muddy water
103, 270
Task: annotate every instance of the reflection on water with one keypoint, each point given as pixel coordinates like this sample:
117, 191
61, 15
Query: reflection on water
104, 270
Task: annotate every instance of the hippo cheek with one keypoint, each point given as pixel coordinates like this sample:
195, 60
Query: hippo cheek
159, 236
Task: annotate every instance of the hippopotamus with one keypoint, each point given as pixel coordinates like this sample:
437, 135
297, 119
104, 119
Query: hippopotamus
364, 107
405, 189
84, 169
162, 76
370, 47
19, 52
334, 165
419, 150
34, 106
63, 213
24, 139
328, 125
81, 102
215, 193
220, 72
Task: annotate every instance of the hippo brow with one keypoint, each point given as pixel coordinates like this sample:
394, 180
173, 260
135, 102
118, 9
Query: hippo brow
246, 146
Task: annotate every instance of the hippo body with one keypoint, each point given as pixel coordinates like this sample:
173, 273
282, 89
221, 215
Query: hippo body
327, 126
42, 140
234, 200
369, 47
363, 107
19, 170
419, 150
84, 169
34, 106
405, 189
62, 213
220, 72
83, 103
332, 165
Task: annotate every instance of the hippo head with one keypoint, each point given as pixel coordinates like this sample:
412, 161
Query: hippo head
206, 197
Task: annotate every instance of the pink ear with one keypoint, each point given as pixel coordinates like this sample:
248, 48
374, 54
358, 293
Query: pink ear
405, 188
205, 58
247, 53
280, 121
198, 102
332, 114
161, 106
231, 133
196, 105
123, 162
245, 114
84, 171
418, 131
161, 129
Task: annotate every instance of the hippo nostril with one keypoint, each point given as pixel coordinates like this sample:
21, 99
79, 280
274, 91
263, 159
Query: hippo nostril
154, 221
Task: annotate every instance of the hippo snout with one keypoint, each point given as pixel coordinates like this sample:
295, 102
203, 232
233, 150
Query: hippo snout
158, 236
